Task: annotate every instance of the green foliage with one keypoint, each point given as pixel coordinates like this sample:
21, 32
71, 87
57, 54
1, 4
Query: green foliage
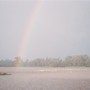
77, 60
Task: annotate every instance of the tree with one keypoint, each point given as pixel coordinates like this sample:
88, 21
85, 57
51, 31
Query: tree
18, 61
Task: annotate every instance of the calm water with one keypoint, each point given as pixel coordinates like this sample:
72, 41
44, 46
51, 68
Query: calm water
45, 79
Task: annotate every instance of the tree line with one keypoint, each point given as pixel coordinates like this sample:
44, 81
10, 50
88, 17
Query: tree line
69, 61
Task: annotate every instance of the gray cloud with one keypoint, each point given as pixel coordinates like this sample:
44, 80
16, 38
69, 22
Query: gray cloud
61, 28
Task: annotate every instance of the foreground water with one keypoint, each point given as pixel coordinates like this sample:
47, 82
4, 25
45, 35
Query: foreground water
45, 79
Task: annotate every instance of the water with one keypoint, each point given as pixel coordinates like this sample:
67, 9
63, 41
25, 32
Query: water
45, 79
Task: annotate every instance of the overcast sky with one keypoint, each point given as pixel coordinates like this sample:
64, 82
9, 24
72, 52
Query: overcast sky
60, 28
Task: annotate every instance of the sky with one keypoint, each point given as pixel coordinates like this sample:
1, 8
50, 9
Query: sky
44, 28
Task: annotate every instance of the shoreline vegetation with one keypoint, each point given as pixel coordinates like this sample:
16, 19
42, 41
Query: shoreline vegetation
3, 73
69, 61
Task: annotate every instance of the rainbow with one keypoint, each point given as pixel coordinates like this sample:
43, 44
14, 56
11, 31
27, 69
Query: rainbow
30, 25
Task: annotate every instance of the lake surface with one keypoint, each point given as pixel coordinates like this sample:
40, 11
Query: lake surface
45, 78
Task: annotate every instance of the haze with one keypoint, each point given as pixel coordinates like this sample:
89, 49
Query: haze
61, 28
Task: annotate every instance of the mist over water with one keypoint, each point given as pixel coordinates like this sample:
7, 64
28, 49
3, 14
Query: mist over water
44, 45
49, 78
